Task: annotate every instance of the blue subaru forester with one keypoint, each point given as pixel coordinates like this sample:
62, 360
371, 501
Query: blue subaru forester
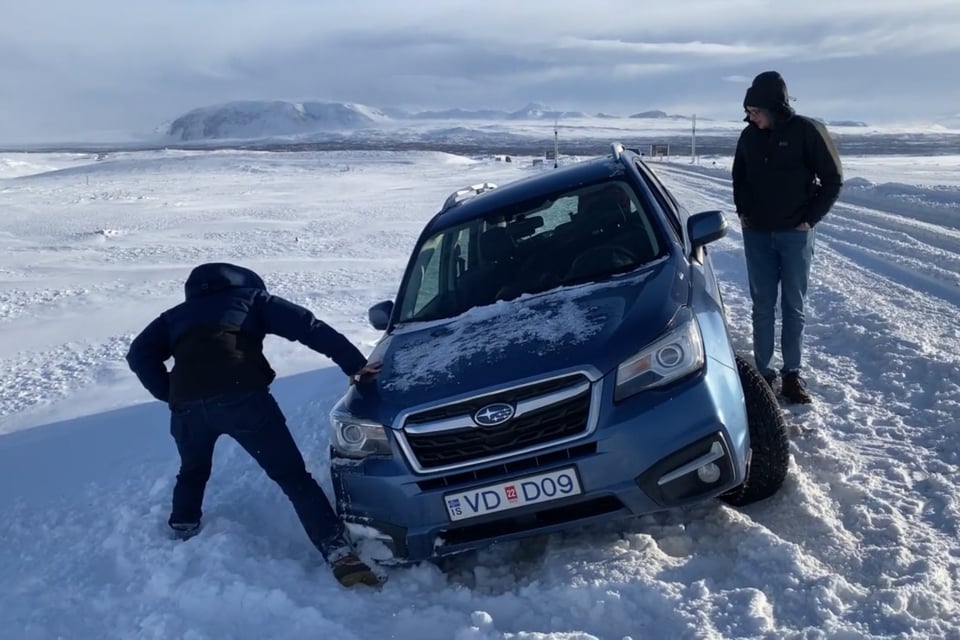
557, 354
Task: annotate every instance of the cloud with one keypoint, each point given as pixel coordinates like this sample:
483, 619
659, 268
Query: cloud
689, 49
910, 39
114, 64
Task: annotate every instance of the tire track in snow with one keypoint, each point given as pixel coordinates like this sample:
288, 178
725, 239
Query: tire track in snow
916, 274
909, 232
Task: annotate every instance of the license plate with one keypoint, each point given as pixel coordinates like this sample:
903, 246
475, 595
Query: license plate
542, 487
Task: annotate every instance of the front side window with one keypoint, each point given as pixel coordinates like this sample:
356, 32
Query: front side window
665, 198
425, 278
585, 234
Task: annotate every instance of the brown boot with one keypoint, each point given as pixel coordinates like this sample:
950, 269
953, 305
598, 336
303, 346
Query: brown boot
794, 389
350, 570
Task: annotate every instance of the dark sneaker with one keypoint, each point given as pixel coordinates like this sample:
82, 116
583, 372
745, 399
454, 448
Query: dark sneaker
184, 530
349, 570
795, 389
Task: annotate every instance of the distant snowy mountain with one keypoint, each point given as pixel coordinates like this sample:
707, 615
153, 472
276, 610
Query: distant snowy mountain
847, 123
461, 114
950, 122
249, 120
257, 119
534, 111
277, 121
658, 114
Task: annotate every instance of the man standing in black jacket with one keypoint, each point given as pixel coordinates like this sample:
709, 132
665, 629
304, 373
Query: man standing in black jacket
786, 177
219, 385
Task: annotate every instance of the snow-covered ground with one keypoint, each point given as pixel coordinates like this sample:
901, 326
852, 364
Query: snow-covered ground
863, 541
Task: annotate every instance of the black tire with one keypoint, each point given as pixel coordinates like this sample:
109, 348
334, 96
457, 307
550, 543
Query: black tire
769, 442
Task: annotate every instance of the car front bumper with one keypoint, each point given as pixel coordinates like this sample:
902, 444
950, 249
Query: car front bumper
643, 457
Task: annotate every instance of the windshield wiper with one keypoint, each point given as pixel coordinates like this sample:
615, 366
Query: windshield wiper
599, 277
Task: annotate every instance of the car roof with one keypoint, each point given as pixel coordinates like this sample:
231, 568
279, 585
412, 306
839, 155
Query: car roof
563, 178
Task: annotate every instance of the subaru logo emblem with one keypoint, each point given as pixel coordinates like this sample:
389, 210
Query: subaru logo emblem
493, 414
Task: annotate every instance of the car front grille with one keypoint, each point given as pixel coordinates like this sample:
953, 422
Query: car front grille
550, 411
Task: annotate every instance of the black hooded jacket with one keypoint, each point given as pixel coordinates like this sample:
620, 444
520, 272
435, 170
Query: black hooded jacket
788, 174
216, 337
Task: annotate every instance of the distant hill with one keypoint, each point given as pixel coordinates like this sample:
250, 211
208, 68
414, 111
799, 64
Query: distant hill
460, 114
257, 119
282, 121
950, 122
840, 123
272, 118
534, 111
846, 123
657, 114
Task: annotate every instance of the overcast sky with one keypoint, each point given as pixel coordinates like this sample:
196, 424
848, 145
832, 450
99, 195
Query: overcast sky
69, 68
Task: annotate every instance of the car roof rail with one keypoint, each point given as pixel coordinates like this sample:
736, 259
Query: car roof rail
466, 193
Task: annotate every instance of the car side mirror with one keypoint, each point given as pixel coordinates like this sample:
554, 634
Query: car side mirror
380, 313
705, 227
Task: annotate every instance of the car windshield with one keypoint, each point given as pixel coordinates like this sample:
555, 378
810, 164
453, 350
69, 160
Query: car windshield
586, 234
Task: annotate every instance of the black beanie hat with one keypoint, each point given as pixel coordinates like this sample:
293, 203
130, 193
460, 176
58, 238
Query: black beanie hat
768, 91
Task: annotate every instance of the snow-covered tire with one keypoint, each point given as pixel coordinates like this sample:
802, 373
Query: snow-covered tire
769, 442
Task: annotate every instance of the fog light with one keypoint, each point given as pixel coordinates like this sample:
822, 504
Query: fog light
709, 473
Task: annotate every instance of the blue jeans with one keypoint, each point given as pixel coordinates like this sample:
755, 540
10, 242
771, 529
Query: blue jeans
778, 261
255, 421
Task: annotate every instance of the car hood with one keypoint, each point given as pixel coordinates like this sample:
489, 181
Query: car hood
594, 325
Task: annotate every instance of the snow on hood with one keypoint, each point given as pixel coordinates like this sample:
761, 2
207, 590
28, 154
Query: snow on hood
489, 330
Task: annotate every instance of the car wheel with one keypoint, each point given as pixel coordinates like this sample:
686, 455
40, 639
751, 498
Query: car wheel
769, 443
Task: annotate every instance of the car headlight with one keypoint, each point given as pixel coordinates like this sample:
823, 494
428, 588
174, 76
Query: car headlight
676, 354
356, 438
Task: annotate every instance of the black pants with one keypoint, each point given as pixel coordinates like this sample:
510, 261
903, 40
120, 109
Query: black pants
255, 421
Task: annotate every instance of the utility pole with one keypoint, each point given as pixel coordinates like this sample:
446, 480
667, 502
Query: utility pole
693, 141
556, 145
